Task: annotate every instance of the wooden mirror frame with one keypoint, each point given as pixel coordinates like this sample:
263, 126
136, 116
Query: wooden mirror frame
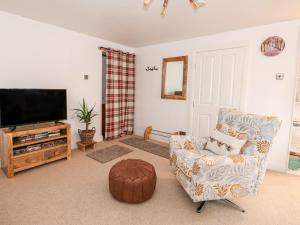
184, 59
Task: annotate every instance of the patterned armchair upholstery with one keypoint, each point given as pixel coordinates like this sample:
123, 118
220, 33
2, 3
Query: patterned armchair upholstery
206, 176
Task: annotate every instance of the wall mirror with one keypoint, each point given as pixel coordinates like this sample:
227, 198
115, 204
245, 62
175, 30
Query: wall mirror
174, 78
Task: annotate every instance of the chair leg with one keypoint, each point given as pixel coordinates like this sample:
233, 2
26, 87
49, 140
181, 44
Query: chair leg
200, 207
232, 204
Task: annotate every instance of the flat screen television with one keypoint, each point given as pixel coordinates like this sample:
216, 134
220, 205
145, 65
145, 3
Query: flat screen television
29, 106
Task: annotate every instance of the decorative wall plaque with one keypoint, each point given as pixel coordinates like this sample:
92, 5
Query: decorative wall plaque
272, 46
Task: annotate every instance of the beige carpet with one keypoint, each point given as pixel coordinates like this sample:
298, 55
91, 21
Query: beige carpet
76, 192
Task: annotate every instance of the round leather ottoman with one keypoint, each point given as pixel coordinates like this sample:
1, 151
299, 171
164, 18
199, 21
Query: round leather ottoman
132, 181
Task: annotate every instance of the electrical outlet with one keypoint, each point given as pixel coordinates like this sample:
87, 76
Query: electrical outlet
86, 77
279, 76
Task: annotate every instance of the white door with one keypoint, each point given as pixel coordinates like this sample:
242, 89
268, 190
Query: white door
217, 83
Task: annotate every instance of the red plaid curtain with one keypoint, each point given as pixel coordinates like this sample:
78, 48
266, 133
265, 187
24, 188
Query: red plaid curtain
120, 89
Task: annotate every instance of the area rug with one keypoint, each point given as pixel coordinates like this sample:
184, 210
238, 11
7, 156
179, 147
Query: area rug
147, 146
109, 153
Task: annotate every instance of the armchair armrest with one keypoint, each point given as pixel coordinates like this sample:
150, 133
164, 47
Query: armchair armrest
187, 142
209, 163
215, 171
198, 163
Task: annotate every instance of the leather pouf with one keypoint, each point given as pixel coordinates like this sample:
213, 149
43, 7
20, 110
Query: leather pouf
132, 181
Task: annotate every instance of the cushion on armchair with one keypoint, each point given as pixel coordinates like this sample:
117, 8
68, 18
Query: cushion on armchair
222, 144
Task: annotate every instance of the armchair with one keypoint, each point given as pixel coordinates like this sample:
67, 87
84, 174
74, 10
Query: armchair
206, 176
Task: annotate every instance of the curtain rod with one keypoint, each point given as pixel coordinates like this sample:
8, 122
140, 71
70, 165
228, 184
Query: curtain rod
115, 50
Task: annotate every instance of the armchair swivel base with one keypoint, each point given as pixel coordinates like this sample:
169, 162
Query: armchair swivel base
226, 201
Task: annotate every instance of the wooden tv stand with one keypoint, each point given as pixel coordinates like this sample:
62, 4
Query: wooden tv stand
53, 146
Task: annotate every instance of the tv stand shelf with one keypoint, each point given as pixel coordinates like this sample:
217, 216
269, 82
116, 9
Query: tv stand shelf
51, 148
17, 145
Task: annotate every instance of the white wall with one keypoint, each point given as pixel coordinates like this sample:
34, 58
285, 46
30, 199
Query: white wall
264, 94
38, 55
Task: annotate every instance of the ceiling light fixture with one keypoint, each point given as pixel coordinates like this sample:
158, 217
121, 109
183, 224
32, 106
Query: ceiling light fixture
195, 3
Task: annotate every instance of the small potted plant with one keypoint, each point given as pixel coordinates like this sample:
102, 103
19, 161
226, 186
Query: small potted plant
85, 115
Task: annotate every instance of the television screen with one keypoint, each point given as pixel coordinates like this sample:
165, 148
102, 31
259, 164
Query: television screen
27, 106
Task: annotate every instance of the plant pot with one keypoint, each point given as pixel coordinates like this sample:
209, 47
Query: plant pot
87, 136
294, 162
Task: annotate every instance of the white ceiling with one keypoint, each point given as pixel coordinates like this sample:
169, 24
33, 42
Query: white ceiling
126, 22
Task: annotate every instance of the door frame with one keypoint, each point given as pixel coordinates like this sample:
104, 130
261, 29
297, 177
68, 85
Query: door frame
193, 68
291, 122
